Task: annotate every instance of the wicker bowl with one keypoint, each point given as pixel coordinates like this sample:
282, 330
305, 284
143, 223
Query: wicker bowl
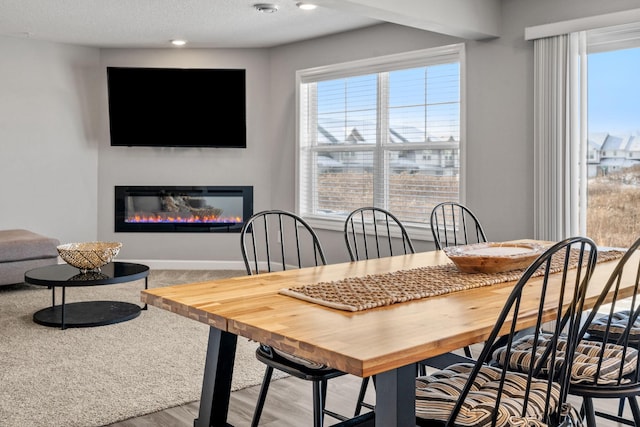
493, 257
89, 256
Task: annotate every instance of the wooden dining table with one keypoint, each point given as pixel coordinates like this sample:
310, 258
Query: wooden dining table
386, 341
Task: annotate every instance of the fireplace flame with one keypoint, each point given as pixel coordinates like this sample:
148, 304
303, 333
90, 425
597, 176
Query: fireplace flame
194, 219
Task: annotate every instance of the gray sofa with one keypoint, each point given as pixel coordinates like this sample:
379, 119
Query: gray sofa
22, 250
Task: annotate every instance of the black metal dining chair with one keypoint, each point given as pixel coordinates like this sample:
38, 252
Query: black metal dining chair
453, 224
525, 381
372, 232
276, 240
607, 365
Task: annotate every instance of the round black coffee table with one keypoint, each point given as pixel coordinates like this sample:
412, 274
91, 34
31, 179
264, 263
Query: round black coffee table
86, 313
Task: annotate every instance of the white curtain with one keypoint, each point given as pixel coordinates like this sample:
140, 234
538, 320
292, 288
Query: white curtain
559, 136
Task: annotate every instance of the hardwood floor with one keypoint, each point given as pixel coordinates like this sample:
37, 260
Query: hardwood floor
288, 405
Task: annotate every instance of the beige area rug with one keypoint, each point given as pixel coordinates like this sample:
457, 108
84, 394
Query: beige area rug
95, 376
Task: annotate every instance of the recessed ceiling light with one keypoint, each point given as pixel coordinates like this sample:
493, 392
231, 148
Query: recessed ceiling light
266, 7
178, 42
306, 6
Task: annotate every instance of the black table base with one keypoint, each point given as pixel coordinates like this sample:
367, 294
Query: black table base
87, 314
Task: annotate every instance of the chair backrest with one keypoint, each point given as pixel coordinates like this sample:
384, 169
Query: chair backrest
371, 232
276, 240
566, 270
613, 320
453, 224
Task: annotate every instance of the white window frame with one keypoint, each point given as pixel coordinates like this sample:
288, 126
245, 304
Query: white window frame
406, 60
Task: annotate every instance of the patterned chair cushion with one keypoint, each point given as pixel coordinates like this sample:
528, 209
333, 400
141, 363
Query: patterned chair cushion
619, 322
585, 360
273, 353
522, 348
437, 394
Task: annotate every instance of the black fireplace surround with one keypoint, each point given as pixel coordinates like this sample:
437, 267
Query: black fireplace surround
182, 209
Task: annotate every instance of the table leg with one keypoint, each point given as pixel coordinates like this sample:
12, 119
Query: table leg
62, 325
216, 384
396, 397
146, 286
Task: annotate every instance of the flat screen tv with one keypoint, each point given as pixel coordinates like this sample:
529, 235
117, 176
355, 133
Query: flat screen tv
177, 107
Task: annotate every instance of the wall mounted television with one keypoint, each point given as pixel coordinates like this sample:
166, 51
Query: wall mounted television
177, 107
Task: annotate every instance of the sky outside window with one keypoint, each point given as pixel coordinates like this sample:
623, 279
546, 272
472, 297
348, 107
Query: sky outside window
614, 91
423, 102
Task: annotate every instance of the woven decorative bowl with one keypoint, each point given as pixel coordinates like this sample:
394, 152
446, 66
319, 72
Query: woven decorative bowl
89, 256
493, 257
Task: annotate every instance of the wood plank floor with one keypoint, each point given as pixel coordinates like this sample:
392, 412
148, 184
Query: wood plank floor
288, 405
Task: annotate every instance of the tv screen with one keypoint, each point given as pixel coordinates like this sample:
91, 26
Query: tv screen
177, 107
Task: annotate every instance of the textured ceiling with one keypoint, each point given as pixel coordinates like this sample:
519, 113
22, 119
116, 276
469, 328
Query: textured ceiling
153, 23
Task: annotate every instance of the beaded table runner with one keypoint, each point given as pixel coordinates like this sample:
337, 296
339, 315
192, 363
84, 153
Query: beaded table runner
377, 290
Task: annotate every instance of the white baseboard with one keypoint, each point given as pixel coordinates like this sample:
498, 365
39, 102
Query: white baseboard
161, 264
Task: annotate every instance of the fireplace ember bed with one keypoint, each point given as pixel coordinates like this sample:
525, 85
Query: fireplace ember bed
175, 209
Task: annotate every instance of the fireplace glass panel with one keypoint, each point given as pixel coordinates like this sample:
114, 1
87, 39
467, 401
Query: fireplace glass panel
177, 209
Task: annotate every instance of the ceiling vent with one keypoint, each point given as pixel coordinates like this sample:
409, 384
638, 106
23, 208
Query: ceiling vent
266, 7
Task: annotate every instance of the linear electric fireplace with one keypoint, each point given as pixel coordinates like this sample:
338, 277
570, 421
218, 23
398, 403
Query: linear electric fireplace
172, 209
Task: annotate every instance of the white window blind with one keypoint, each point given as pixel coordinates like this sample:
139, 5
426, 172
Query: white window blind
384, 132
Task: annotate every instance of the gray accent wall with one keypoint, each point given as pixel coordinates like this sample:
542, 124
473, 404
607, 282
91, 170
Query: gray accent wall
58, 171
49, 139
189, 166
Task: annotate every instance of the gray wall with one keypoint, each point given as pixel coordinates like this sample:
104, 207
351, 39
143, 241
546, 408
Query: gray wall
55, 129
48, 140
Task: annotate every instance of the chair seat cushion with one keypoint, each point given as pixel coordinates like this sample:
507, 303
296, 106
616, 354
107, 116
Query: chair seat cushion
437, 394
301, 361
619, 322
584, 367
586, 359
297, 363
